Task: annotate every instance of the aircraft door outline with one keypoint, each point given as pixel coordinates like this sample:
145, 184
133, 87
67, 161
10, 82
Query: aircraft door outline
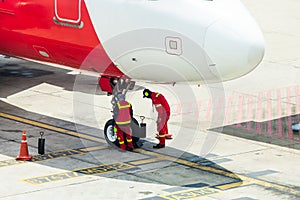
67, 14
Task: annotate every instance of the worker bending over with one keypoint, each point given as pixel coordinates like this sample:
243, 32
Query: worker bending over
163, 109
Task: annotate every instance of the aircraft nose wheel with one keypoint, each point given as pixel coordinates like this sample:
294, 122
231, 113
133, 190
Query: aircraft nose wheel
109, 134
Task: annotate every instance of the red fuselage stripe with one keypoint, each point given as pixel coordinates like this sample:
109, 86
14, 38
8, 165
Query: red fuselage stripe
50, 31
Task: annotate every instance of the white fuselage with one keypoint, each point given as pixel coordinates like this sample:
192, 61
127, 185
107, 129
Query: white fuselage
178, 40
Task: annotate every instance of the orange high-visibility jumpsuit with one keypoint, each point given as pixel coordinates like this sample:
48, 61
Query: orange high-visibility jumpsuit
163, 109
123, 114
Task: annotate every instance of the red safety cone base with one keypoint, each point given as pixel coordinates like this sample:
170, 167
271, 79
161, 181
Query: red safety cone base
24, 158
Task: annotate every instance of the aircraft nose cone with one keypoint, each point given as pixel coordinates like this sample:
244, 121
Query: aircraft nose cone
256, 53
234, 48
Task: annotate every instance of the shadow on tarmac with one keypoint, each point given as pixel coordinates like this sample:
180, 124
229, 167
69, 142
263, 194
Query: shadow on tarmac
168, 166
17, 75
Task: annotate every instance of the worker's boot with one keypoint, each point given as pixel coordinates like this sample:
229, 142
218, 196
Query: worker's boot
129, 143
162, 141
159, 146
129, 148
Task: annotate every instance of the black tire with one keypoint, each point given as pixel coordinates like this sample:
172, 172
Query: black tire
111, 137
109, 134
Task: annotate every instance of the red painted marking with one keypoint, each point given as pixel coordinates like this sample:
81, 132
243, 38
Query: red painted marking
297, 106
297, 101
189, 108
197, 111
208, 111
220, 108
178, 110
249, 111
289, 113
280, 132
279, 112
228, 110
240, 110
269, 111
259, 112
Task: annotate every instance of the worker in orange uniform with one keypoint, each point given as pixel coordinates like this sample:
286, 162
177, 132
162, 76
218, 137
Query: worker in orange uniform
163, 109
123, 114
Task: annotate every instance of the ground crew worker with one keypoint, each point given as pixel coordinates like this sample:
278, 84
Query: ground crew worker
122, 115
163, 109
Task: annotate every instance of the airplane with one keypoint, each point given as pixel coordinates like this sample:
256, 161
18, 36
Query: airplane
161, 41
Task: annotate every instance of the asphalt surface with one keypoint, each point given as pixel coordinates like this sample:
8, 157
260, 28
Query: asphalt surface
239, 146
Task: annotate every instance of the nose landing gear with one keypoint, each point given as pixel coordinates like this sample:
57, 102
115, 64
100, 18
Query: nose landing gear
138, 130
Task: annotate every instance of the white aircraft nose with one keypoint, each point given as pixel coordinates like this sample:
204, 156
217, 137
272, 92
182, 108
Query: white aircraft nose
234, 48
256, 53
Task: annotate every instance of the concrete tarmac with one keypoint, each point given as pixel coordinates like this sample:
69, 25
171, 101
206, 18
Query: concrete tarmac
231, 140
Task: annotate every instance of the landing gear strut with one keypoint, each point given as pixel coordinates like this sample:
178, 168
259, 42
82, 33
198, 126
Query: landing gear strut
138, 130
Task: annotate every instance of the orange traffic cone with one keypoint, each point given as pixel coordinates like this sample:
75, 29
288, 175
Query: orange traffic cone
24, 155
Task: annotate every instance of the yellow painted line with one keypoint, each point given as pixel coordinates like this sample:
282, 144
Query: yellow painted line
145, 161
246, 180
188, 163
52, 155
57, 154
190, 194
229, 186
281, 188
101, 169
7, 163
50, 127
93, 148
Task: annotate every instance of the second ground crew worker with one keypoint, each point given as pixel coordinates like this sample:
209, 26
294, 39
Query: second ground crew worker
163, 109
122, 116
